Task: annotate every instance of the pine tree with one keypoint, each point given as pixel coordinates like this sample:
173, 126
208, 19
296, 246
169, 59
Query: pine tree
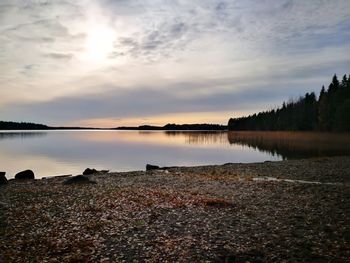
331, 112
344, 81
342, 112
323, 111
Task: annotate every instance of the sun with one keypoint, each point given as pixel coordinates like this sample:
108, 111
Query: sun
99, 43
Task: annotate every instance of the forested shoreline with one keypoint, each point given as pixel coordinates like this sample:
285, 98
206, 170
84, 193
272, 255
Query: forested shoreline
330, 112
178, 127
10, 125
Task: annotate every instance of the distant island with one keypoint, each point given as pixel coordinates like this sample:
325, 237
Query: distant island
9, 125
178, 127
330, 112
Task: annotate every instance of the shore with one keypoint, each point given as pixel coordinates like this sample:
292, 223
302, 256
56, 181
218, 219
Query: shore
284, 211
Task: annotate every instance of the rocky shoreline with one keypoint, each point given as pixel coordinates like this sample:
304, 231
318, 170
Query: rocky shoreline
285, 211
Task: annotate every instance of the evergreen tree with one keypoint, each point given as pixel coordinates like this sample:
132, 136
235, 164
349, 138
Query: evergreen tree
331, 112
342, 111
344, 81
333, 87
323, 111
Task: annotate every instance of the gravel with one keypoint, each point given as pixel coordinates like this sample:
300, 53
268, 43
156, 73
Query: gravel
186, 214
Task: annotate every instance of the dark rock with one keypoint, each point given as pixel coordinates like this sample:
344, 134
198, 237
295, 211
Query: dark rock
3, 179
150, 167
24, 175
79, 179
89, 171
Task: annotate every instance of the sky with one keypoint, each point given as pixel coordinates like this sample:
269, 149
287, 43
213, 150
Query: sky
112, 63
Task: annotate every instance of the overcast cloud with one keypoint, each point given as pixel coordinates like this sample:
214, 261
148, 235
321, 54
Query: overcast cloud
65, 62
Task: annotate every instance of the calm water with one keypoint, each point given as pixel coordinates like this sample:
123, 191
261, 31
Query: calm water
50, 153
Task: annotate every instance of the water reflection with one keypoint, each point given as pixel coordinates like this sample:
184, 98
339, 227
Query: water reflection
168, 138
21, 135
293, 145
70, 152
201, 137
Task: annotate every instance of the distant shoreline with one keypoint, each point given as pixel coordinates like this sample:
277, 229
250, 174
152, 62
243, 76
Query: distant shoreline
190, 127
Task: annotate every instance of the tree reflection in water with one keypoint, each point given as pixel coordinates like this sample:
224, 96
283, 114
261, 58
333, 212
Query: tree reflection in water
201, 137
293, 145
22, 135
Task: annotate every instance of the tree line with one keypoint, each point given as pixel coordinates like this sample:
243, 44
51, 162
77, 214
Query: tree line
9, 125
330, 112
178, 127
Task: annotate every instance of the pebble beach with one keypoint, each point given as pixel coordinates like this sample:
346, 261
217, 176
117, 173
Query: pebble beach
285, 211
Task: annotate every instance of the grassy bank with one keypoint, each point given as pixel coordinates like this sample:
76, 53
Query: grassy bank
190, 214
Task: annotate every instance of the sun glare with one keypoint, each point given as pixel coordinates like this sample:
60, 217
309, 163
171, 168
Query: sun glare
99, 43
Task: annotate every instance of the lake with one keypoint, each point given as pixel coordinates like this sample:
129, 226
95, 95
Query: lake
60, 152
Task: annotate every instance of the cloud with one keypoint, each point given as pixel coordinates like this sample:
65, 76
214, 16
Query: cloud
59, 56
167, 56
176, 98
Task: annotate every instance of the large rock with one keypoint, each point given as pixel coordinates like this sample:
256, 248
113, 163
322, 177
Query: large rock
3, 179
24, 175
150, 167
89, 171
79, 179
